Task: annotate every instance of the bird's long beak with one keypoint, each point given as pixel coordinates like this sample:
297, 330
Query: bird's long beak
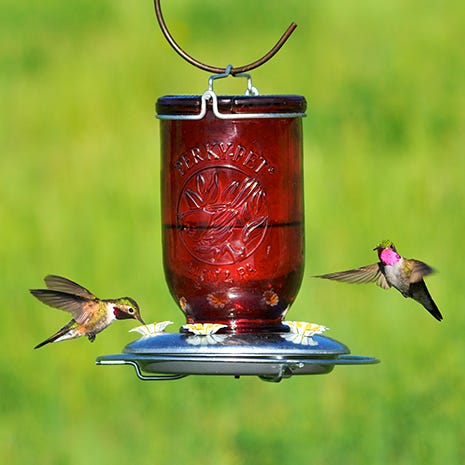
139, 318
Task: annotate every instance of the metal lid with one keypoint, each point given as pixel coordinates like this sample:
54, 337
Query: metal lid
191, 104
195, 107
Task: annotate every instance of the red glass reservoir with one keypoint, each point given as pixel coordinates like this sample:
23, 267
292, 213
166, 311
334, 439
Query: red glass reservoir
232, 207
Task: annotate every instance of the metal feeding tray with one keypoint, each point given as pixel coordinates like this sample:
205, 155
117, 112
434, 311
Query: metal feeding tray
271, 356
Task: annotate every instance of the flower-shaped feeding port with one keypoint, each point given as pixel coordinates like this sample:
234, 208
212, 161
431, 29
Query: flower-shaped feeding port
204, 333
203, 329
301, 332
152, 329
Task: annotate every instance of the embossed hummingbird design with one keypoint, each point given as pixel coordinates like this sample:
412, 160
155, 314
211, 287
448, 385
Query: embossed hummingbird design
91, 315
393, 270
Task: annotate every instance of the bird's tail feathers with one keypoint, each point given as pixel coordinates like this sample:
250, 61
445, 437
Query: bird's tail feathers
420, 293
60, 333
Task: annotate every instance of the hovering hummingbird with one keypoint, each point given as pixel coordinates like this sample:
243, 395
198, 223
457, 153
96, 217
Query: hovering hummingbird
406, 275
90, 314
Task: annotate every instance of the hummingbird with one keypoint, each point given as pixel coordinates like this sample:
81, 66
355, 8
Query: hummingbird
393, 270
91, 315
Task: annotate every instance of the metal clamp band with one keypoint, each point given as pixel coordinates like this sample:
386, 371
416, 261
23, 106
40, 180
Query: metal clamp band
211, 95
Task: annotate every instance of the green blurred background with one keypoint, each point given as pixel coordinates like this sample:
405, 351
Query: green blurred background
79, 196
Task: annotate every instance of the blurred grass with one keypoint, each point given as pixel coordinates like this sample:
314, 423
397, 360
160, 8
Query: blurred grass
384, 153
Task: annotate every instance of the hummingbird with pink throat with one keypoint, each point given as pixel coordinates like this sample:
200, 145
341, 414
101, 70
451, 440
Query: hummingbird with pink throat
91, 315
393, 270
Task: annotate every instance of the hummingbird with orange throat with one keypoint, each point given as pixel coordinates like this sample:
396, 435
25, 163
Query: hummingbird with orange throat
91, 315
393, 270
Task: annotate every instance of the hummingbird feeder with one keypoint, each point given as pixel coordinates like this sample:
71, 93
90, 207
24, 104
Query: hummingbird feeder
233, 236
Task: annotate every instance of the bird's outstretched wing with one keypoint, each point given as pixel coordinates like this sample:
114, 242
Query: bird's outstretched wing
364, 274
58, 283
74, 304
417, 270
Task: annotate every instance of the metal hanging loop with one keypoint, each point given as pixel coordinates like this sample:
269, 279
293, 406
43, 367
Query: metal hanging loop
214, 69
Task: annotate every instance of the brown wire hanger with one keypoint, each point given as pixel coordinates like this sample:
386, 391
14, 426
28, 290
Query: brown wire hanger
215, 69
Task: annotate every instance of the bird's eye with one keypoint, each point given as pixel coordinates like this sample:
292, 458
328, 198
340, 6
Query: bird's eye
130, 310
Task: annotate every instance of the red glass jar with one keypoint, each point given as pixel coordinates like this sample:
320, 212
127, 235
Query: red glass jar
232, 207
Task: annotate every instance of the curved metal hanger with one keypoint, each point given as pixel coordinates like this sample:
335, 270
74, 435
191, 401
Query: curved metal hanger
214, 69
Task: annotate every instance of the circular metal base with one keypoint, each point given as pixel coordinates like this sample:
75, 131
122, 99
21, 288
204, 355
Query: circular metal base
272, 356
